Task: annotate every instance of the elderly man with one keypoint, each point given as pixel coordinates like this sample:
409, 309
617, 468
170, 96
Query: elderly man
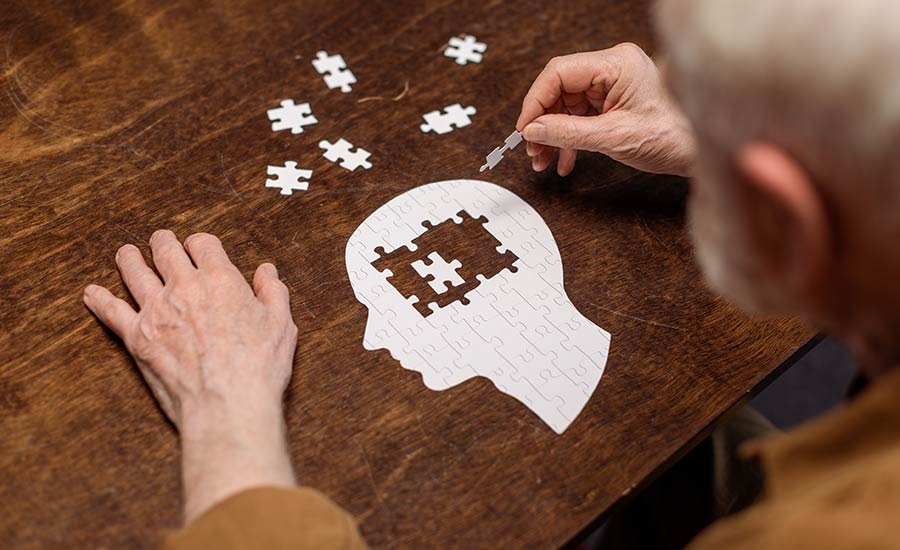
789, 123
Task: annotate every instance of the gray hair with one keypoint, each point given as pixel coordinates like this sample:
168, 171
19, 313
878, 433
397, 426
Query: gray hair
819, 78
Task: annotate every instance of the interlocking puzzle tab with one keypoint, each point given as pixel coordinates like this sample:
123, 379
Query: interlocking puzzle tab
343, 150
288, 178
475, 257
453, 116
337, 75
440, 271
291, 117
466, 49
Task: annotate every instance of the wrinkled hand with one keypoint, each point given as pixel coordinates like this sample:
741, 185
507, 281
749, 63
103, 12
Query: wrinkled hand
217, 355
612, 102
203, 338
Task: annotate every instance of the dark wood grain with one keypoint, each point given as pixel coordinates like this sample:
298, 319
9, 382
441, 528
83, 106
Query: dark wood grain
116, 120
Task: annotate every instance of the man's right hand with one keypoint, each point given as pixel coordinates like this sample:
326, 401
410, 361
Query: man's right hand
612, 102
217, 355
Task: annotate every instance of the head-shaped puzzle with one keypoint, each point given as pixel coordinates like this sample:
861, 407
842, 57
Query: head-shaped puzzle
462, 278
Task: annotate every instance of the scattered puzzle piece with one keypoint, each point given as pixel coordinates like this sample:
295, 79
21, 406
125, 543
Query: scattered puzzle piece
341, 150
453, 116
466, 49
288, 178
440, 271
495, 156
291, 117
337, 75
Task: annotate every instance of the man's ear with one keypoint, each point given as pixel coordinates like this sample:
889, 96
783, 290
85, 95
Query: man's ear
802, 253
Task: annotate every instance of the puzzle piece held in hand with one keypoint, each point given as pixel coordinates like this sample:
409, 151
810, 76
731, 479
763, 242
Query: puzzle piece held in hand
440, 271
465, 49
337, 75
495, 156
341, 150
453, 116
291, 117
288, 178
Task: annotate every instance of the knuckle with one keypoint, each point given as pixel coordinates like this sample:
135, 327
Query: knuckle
103, 307
566, 135
630, 48
279, 284
143, 350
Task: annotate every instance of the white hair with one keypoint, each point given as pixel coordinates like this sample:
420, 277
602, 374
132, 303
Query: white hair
819, 78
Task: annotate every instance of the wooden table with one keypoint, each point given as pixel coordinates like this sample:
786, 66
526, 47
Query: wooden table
116, 120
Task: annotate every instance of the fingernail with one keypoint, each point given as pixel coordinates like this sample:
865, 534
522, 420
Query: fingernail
535, 132
89, 290
271, 269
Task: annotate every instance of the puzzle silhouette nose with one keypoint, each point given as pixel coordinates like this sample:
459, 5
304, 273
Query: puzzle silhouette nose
462, 279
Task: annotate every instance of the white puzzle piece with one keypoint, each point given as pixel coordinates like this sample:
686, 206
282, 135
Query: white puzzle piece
337, 75
495, 156
466, 49
440, 272
453, 116
288, 178
342, 150
515, 327
291, 117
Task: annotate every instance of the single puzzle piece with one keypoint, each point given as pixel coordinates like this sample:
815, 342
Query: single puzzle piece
495, 156
337, 75
342, 150
440, 271
288, 178
291, 117
465, 49
453, 116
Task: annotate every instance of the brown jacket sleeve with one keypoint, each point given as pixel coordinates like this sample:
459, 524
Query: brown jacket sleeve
273, 518
834, 483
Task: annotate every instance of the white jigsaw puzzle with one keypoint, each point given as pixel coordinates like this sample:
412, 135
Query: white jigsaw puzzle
495, 156
440, 272
291, 117
516, 327
288, 178
337, 75
342, 150
453, 116
466, 49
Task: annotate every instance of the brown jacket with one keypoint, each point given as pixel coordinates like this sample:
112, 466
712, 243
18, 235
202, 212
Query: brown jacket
832, 484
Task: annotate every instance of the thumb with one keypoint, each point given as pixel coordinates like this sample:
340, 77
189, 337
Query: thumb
585, 133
